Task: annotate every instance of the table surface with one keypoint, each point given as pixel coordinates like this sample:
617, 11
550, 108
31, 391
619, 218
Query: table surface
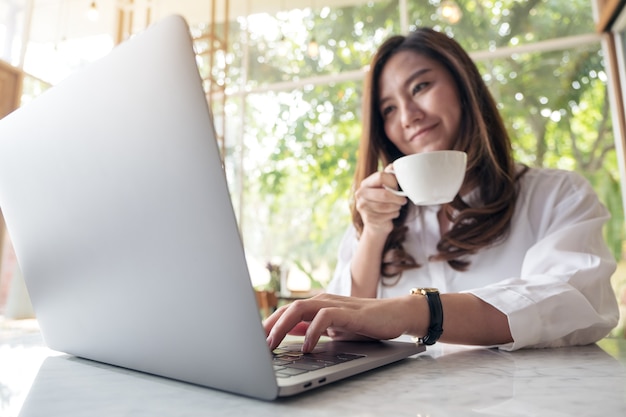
445, 380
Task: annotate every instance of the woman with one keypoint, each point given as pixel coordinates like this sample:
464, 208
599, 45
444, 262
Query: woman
517, 258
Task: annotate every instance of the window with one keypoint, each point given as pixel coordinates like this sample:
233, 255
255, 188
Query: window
294, 109
292, 82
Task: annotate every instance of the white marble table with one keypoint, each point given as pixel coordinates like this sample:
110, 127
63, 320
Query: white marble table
444, 381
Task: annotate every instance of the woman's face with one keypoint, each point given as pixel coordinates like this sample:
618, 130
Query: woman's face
419, 103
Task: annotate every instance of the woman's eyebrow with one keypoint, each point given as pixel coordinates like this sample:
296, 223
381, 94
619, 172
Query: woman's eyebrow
408, 81
417, 74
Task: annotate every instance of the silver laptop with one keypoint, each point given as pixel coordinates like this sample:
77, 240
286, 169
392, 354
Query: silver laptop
115, 198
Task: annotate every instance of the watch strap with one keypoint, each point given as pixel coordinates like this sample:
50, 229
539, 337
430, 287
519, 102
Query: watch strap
435, 328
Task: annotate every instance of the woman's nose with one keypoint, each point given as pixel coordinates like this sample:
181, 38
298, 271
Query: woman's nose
411, 112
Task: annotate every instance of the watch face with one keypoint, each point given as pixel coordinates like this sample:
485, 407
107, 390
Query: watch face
424, 291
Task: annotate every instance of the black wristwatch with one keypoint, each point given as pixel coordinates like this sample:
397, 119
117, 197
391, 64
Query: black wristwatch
435, 329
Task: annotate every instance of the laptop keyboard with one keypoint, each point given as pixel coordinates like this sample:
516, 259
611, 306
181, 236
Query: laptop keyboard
290, 361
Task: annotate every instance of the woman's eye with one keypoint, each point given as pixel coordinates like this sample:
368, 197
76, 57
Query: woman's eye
386, 111
419, 87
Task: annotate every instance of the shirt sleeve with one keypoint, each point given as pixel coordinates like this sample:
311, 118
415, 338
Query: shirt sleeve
341, 283
563, 295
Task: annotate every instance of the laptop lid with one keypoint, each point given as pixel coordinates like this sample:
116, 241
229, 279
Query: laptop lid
115, 198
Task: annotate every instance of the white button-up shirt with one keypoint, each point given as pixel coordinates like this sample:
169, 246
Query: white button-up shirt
550, 275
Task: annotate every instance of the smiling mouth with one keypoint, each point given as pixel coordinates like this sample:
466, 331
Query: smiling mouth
420, 133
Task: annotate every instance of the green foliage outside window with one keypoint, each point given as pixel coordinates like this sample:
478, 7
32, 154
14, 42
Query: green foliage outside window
292, 159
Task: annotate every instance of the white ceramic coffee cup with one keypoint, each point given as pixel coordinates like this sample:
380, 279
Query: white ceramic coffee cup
430, 178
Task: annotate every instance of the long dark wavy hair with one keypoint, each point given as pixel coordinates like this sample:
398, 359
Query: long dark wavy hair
482, 134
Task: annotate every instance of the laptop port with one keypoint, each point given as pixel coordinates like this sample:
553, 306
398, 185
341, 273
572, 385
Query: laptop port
321, 381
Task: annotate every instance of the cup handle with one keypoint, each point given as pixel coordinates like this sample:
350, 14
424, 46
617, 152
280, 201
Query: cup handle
390, 170
393, 191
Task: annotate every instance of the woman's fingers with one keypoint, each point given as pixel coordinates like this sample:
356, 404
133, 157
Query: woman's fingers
377, 205
299, 329
342, 317
286, 318
289, 317
378, 179
328, 318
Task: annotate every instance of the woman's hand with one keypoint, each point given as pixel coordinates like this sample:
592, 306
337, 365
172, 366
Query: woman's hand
345, 318
378, 208
376, 205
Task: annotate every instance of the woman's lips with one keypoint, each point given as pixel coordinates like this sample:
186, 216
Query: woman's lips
421, 132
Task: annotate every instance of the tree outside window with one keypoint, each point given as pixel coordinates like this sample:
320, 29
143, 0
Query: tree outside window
295, 84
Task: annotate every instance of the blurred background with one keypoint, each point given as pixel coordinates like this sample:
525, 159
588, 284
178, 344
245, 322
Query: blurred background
284, 81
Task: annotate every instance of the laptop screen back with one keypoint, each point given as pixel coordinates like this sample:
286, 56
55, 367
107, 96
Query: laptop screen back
114, 195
